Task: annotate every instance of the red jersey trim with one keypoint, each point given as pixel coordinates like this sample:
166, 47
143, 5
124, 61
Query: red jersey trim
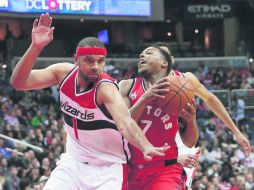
66, 77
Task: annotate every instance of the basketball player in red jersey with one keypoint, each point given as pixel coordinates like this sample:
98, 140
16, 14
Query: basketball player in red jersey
96, 153
212, 101
160, 128
155, 63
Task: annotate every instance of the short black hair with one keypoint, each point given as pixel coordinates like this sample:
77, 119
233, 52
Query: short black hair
166, 54
91, 42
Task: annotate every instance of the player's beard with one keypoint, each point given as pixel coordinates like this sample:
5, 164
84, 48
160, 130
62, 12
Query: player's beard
88, 79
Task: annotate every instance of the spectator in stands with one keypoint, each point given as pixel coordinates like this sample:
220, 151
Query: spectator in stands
238, 105
3, 151
249, 180
129, 73
218, 78
38, 119
11, 118
12, 182
15, 159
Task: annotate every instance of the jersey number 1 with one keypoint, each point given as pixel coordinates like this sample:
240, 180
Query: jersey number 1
74, 124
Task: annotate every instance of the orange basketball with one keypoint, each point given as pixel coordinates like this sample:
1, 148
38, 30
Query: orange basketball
180, 93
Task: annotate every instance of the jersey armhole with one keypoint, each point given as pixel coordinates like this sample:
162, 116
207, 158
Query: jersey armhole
131, 87
64, 79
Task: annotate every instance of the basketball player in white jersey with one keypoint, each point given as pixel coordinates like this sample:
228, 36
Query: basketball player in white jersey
96, 118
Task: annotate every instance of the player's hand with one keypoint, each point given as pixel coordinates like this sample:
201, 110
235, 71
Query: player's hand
151, 151
244, 142
157, 90
42, 32
189, 112
188, 160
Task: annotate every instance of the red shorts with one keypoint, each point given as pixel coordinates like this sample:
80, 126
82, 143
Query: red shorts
150, 177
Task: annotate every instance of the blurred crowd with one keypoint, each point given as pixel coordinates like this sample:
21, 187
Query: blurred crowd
35, 117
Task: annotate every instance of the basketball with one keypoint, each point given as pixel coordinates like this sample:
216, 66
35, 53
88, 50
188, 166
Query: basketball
180, 93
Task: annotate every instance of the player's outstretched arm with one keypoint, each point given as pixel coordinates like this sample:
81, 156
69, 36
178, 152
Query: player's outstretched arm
22, 78
114, 103
217, 107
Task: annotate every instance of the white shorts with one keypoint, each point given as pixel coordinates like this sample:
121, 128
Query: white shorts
71, 174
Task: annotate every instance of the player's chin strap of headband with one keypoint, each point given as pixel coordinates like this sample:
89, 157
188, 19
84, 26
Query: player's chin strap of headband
90, 51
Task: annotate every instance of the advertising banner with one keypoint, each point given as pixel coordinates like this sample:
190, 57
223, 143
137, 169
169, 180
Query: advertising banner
208, 11
137, 8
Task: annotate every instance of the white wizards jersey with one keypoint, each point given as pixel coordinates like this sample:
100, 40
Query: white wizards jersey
92, 135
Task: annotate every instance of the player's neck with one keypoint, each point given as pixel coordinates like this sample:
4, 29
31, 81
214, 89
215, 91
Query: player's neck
82, 84
154, 78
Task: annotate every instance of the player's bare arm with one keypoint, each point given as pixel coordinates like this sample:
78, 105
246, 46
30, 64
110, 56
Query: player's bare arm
190, 134
40, 78
217, 107
23, 77
126, 125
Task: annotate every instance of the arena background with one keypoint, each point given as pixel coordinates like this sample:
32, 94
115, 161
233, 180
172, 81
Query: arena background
211, 38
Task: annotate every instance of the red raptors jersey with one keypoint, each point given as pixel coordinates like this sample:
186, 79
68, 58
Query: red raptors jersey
92, 135
159, 127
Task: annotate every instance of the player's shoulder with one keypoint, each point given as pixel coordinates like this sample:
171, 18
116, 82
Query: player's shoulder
65, 66
61, 69
125, 82
189, 75
125, 85
192, 79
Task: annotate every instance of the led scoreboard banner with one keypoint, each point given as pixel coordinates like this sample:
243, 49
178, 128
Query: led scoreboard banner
127, 8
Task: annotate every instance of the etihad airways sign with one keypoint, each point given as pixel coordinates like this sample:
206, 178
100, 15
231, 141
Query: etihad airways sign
79, 7
208, 11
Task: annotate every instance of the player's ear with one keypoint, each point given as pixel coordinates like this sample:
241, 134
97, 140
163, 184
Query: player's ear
165, 64
172, 59
75, 59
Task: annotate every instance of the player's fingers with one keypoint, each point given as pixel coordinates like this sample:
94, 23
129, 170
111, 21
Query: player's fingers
51, 32
147, 157
163, 80
164, 148
184, 113
191, 165
188, 166
193, 102
158, 96
161, 91
162, 85
194, 161
158, 153
35, 24
50, 21
41, 20
47, 20
246, 148
190, 108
